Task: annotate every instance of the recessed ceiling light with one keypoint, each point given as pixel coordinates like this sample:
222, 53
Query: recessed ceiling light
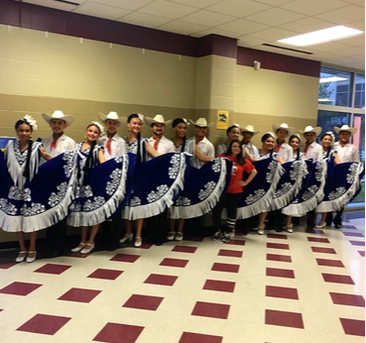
332, 79
321, 36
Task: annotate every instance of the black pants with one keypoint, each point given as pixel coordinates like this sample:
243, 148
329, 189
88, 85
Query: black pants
276, 220
55, 237
337, 219
230, 201
110, 234
157, 227
310, 220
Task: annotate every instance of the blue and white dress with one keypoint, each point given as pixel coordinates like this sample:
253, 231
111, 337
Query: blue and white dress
40, 200
101, 192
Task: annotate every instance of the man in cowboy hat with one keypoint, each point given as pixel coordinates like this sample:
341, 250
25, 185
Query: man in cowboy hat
283, 131
347, 152
55, 145
158, 141
248, 133
200, 142
312, 149
114, 145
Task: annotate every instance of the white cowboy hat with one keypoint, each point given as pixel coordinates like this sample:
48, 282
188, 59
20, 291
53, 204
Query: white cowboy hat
157, 119
111, 115
201, 122
250, 129
58, 115
315, 130
284, 126
351, 130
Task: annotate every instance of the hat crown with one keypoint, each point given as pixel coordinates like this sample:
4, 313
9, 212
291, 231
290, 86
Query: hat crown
248, 128
112, 115
159, 118
58, 114
201, 122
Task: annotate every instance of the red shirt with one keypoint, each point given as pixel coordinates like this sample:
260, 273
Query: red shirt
237, 174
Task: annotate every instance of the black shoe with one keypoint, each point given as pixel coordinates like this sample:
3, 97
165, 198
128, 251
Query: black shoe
53, 254
337, 226
278, 230
226, 237
217, 235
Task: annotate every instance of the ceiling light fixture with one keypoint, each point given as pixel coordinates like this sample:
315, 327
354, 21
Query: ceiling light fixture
321, 36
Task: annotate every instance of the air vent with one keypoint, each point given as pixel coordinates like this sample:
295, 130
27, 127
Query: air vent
288, 49
69, 2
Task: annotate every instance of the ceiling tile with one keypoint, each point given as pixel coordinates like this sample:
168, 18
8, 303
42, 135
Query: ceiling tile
326, 47
307, 25
142, 19
208, 18
273, 34
197, 3
347, 50
275, 17
343, 15
273, 2
126, 4
216, 31
243, 26
311, 7
359, 25
355, 41
182, 27
167, 9
238, 8
53, 4
250, 42
103, 11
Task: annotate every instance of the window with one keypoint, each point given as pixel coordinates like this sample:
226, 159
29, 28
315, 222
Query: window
360, 91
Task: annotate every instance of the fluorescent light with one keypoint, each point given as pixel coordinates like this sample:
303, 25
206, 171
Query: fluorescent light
332, 79
321, 36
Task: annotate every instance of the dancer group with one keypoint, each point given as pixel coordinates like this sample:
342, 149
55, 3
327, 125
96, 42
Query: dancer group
109, 184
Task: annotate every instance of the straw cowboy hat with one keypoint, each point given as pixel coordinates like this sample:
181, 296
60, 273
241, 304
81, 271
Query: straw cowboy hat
250, 129
315, 130
112, 116
283, 126
351, 130
201, 122
58, 115
159, 119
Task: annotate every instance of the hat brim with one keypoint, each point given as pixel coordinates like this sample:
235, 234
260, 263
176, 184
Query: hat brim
290, 130
316, 130
103, 118
351, 130
253, 132
150, 121
195, 124
67, 119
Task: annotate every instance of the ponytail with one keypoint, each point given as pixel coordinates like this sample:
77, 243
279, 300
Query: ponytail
138, 153
89, 160
26, 172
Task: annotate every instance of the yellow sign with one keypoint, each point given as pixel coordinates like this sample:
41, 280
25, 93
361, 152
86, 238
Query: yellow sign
222, 120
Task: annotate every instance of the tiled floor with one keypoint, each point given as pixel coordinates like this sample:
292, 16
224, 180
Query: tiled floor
280, 287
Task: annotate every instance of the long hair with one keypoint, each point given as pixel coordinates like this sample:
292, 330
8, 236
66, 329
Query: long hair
298, 149
26, 171
138, 153
240, 159
89, 162
176, 122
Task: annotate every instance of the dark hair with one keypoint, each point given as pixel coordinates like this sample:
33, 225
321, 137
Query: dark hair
138, 154
330, 147
298, 149
26, 171
264, 138
239, 158
228, 130
90, 159
176, 122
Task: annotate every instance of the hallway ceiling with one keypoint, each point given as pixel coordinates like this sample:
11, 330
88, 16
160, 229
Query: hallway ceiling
252, 22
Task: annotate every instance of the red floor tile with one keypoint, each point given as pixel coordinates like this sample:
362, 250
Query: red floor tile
191, 337
283, 318
174, 262
145, 246
316, 231
280, 258
358, 243
77, 255
282, 292
217, 285
347, 299
323, 250
230, 253
235, 242
225, 267
285, 273
353, 326
51, 268
181, 248
125, 258
106, 274
143, 302
80, 295
276, 236
119, 333
353, 234
329, 263
338, 278
44, 324
7, 265
20, 288
278, 246
318, 239
362, 253
348, 227
212, 310
163, 280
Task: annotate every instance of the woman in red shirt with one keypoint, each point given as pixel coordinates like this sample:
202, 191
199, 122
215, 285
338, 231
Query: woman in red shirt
234, 191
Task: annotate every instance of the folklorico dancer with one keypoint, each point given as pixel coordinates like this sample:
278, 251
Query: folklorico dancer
55, 145
232, 132
248, 133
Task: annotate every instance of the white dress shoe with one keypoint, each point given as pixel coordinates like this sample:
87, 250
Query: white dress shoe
126, 237
79, 247
87, 248
31, 259
22, 257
